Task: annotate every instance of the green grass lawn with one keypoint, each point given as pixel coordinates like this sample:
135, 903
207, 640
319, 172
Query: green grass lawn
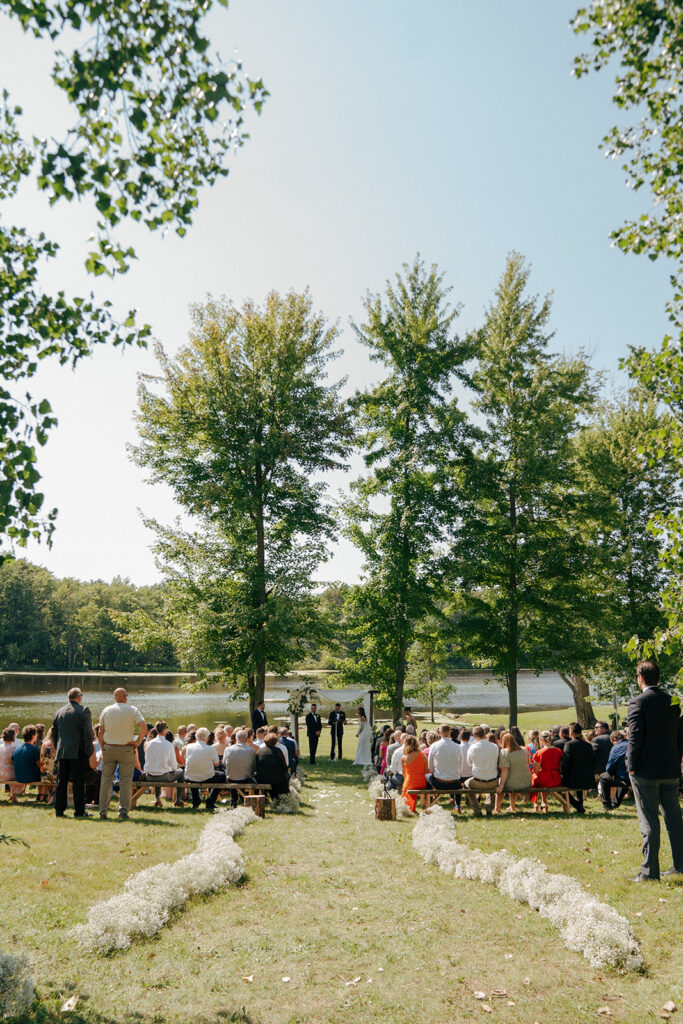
331, 896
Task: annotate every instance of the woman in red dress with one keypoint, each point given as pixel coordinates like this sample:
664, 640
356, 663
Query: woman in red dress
546, 772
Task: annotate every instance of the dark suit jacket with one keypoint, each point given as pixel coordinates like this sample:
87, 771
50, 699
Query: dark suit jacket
337, 726
271, 767
258, 718
72, 732
602, 747
654, 736
314, 723
577, 765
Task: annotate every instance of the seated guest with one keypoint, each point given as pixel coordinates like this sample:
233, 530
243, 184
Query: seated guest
395, 768
547, 774
239, 761
260, 737
482, 757
179, 743
564, 737
220, 742
271, 767
444, 761
250, 740
577, 766
614, 782
601, 748
8, 745
161, 764
384, 740
26, 757
515, 777
292, 749
414, 766
200, 766
281, 745
93, 773
395, 744
48, 769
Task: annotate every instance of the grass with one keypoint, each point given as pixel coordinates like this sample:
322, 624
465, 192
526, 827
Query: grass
331, 895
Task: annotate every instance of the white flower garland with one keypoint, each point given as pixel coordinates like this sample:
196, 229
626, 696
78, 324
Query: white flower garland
290, 803
16, 986
587, 925
376, 790
150, 896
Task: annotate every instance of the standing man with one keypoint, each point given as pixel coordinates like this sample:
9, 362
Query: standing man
118, 723
336, 722
72, 735
314, 727
258, 716
654, 763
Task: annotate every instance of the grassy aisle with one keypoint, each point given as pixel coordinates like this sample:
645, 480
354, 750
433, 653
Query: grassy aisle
332, 896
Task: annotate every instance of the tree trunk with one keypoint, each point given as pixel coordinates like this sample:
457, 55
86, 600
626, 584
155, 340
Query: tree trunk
432, 704
585, 715
511, 683
512, 653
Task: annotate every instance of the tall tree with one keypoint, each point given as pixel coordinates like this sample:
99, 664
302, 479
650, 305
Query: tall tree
154, 117
428, 655
512, 554
243, 425
410, 430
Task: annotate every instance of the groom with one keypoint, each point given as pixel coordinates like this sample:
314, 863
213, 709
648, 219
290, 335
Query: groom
313, 728
336, 722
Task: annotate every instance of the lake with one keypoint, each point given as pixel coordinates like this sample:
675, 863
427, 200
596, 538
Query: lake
35, 697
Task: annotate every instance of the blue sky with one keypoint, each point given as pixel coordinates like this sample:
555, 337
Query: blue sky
452, 129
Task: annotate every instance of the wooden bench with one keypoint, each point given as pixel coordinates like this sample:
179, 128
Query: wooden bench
429, 796
252, 793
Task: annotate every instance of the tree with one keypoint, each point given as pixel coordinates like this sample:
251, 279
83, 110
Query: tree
242, 427
427, 673
154, 119
512, 555
409, 432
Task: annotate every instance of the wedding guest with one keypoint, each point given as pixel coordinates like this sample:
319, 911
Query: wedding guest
123, 730
614, 782
271, 767
7, 748
200, 766
240, 762
161, 763
602, 747
414, 768
547, 774
482, 757
26, 757
515, 777
72, 735
221, 740
394, 745
577, 767
444, 760
48, 770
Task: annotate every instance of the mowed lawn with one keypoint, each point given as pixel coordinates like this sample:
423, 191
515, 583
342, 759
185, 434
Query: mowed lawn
342, 906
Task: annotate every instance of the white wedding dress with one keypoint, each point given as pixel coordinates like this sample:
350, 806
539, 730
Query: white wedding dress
364, 748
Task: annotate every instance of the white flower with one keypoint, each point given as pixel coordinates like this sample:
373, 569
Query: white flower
586, 925
149, 897
16, 986
287, 803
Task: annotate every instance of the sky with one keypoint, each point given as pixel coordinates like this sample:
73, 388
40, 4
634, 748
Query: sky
451, 129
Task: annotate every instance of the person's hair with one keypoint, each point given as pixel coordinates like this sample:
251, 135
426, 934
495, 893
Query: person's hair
40, 729
590, 734
192, 726
554, 730
250, 732
261, 731
361, 714
410, 728
168, 735
455, 731
181, 728
313, 704
160, 726
212, 738
8, 735
565, 731
406, 708
151, 735
649, 672
478, 732
603, 725
271, 739
432, 736
423, 734
616, 736
337, 705
518, 736
203, 735
546, 735
260, 703
446, 730
27, 733
410, 744
465, 735
576, 729
74, 693
242, 736
220, 733
509, 742
532, 735
282, 731
486, 728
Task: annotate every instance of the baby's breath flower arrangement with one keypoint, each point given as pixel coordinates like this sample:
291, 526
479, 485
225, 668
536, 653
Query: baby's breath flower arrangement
16, 986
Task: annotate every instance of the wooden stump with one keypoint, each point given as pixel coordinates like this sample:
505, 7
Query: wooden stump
257, 804
385, 808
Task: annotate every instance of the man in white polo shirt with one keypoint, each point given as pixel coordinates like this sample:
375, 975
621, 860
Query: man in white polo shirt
161, 764
482, 757
200, 766
445, 761
118, 724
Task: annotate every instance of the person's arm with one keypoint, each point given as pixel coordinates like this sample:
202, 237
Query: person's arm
636, 736
430, 759
54, 732
137, 740
88, 732
503, 776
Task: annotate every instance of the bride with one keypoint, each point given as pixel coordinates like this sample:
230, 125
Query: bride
364, 746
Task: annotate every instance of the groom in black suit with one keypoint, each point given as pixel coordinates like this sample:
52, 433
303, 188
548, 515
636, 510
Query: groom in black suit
72, 735
655, 746
314, 727
336, 722
258, 716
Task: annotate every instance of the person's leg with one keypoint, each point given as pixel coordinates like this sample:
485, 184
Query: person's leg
109, 763
333, 744
196, 797
673, 820
471, 787
63, 772
604, 790
213, 795
78, 768
646, 793
126, 757
339, 745
313, 745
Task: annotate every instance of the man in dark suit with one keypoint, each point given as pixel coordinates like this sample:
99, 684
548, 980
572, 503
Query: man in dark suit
258, 716
654, 764
602, 747
314, 727
72, 735
336, 722
577, 766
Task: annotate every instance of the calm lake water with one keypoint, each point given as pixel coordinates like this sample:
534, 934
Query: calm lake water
35, 697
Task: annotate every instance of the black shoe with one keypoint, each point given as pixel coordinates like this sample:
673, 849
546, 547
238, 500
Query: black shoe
59, 814
84, 815
672, 873
644, 878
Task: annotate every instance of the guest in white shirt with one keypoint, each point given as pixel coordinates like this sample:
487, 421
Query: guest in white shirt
396, 767
260, 737
482, 757
466, 742
161, 762
200, 766
445, 761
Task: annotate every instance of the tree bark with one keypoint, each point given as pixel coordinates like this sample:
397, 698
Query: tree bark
585, 715
511, 683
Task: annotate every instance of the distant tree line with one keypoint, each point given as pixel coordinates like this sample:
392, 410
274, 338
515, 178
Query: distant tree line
66, 625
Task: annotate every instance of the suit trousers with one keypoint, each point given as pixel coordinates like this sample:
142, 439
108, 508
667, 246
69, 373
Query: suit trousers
313, 745
124, 757
71, 769
176, 776
651, 795
336, 738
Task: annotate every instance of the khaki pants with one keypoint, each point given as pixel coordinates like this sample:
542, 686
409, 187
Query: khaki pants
478, 786
124, 757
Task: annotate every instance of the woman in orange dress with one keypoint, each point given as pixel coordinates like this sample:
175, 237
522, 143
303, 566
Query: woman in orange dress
546, 771
414, 768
